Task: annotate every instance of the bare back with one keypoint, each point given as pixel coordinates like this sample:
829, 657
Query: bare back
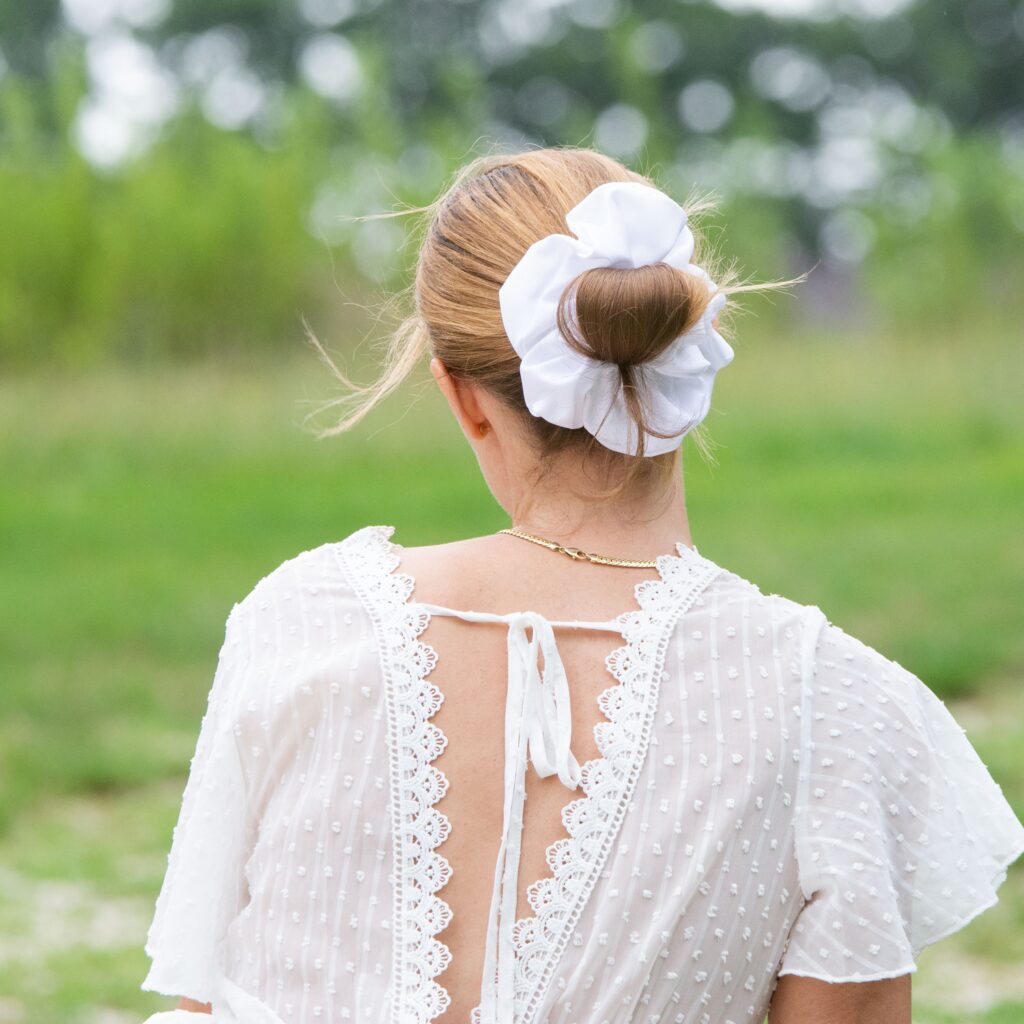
502, 574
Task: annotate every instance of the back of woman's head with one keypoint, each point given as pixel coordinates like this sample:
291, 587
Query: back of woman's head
476, 234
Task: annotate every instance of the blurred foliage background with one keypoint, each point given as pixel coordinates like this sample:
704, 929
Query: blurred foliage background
177, 182
880, 141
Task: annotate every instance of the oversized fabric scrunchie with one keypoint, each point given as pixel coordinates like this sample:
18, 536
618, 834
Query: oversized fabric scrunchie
619, 225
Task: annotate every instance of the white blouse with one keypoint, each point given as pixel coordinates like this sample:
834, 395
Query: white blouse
772, 797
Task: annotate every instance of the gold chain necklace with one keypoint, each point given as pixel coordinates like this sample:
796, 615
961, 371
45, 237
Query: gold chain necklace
578, 555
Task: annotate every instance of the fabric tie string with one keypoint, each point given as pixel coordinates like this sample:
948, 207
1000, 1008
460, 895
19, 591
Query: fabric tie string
546, 710
538, 725
538, 728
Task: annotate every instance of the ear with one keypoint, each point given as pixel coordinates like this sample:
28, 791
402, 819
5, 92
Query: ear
463, 402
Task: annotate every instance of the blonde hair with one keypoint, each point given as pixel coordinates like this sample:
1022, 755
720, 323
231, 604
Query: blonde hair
476, 232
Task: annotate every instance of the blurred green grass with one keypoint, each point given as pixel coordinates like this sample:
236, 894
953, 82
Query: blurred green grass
881, 479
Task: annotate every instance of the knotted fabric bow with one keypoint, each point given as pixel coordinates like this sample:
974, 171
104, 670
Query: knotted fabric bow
620, 225
538, 726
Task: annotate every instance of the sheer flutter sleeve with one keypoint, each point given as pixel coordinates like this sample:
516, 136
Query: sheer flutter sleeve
902, 835
204, 886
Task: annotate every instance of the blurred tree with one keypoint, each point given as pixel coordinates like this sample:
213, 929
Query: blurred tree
26, 29
241, 134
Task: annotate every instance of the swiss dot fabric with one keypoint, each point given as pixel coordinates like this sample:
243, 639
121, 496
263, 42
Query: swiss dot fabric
772, 797
902, 836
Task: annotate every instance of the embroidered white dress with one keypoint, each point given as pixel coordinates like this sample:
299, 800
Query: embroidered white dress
771, 797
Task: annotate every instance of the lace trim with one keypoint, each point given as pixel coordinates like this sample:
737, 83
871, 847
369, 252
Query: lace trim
592, 821
609, 780
416, 785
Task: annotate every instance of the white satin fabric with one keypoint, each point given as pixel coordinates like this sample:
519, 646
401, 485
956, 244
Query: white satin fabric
619, 225
538, 726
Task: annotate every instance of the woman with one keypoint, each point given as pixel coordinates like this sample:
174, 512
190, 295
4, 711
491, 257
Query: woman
573, 772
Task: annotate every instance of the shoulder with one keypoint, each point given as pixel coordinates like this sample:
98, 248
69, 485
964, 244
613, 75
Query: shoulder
769, 620
319, 591
834, 668
848, 695
305, 575
842, 662
840, 653
829, 653
856, 689
298, 620
325, 571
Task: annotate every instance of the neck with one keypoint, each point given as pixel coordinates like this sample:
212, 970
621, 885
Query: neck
633, 526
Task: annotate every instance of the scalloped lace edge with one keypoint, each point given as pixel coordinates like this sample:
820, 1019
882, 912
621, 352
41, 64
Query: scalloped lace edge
370, 562
634, 666
646, 631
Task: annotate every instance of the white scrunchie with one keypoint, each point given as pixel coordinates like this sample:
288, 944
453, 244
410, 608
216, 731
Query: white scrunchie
621, 225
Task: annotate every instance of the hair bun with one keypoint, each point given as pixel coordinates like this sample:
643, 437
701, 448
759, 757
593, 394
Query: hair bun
630, 316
